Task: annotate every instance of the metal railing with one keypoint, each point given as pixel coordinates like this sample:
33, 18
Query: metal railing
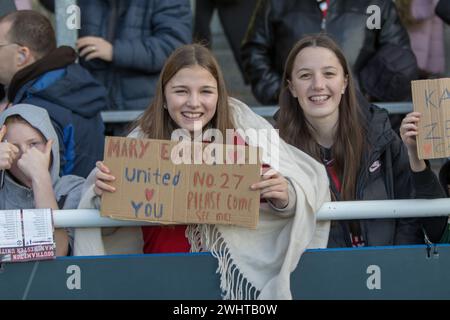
342, 210
266, 111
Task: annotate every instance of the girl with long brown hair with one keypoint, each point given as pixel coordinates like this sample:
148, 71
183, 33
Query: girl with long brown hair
365, 160
191, 89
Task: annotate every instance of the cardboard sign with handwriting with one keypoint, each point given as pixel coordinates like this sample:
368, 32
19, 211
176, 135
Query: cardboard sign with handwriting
432, 99
151, 187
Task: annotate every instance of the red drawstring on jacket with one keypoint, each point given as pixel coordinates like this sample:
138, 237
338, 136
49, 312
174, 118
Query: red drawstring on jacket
323, 6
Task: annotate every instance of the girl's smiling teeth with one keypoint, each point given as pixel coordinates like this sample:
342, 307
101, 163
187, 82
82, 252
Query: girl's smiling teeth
192, 115
319, 98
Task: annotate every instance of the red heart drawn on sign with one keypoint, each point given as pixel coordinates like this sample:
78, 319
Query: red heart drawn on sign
427, 149
149, 194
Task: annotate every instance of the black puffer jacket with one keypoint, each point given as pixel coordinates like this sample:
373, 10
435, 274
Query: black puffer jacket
443, 10
278, 24
386, 175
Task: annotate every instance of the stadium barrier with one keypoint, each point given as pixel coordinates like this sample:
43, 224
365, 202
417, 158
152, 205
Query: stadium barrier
340, 210
263, 111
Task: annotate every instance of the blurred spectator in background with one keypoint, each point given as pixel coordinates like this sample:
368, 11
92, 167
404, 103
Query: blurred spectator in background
375, 44
125, 44
48, 4
444, 179
46, 8
426, 32
8, 6
234, 16
34, 71
443, 10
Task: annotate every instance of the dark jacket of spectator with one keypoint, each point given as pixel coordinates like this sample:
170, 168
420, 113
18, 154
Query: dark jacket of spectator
443, 10
73, 99
48, 4
143, 34
385, 175
444, 177
278, 24
6, 7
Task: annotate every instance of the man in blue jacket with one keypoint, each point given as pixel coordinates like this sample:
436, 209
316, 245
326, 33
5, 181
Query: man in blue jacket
35, 71
125, 44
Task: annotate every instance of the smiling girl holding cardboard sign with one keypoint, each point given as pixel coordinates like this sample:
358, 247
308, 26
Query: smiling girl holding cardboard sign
191, 89
365, 159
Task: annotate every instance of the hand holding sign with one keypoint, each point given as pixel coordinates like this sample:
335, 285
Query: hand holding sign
102, 177
409, 130
8, 151
274, 187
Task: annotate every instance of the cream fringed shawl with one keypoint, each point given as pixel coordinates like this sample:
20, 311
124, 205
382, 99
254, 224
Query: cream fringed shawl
254, 263
258, 263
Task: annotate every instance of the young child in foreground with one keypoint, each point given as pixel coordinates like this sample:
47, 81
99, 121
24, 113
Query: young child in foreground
29, 154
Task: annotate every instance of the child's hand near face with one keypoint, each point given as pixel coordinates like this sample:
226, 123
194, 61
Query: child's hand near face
8, 151
35, 163
274, 187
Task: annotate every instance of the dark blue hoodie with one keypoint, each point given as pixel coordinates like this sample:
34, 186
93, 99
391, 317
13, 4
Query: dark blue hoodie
73, 99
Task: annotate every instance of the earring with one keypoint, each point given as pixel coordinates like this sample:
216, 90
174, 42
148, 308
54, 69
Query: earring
165, 106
